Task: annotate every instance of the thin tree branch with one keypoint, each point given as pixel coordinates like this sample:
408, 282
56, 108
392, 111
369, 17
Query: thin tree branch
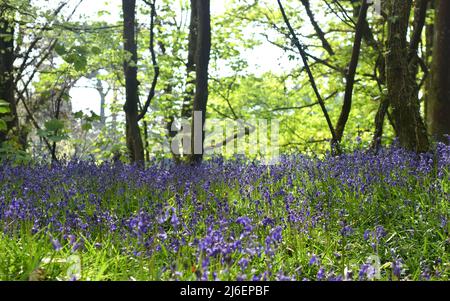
317, 28
151, 94
310, 75
351, 73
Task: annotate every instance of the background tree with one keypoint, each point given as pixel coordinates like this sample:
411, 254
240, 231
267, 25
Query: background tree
8, 110
439, 96
401, 83
190, 64
202, 56
133, 132
351, 71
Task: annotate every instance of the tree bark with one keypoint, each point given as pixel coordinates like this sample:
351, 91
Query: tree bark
201, 90
379, 123
439, 100
420, 10
429, 39
401, 84
351, 73
414, 60
7, 73
133, 133
190, 65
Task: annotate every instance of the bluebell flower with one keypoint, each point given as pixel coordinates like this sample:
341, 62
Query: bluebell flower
56, 244
380, 232
243, 263
277, 234
256, 278
346, 230
321, 274
246, 222
267, 221
72, 239
363, 271
174, 220
313, 260
397, 268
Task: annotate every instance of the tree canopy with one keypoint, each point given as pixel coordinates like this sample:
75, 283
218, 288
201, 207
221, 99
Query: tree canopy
350, 74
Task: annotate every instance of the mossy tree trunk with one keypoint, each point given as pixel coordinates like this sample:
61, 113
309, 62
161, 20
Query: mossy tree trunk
7, 74
438, 113
401, 82
133, 133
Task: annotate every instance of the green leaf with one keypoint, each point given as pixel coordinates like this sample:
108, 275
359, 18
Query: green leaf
3, 126
6, 37
58, 138
94, 117
77, 57
78, 115
42, 133
86, 127
71, 58
80, 50
80, 64
60, 49
4, 110
96, 50
3, 103
54, 125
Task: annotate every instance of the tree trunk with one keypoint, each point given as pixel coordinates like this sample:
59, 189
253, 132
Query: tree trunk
101, 91
190, 65
379, 124
7, 73
401, 83
201, 88
133, 133
439, 101
429, 38
351, 73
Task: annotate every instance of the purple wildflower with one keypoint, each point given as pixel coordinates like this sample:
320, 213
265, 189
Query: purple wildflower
313, 260
56, 244
321, 274
397, 268
243, 263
